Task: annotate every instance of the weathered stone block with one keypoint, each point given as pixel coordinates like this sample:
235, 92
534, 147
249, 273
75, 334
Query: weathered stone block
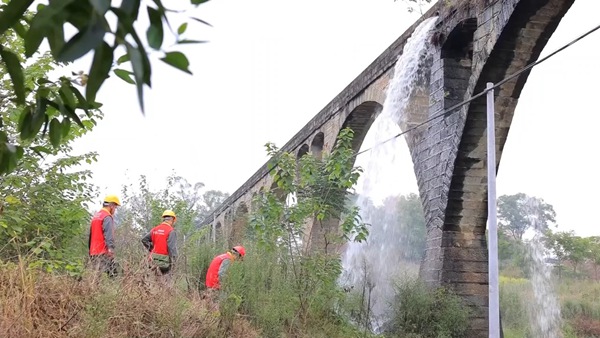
452, 277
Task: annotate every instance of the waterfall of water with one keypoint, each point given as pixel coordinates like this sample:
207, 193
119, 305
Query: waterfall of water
371, 265
545, 310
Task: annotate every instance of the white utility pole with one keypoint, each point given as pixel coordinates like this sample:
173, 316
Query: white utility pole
494, 292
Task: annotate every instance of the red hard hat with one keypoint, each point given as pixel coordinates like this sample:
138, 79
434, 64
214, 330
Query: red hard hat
240, 249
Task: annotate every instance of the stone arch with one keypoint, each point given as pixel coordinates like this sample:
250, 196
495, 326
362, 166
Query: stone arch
302, 151
316, 146
278, 192
463, 241
360, 120
217, 231
239, 224
520, 43
319, 233
457, 60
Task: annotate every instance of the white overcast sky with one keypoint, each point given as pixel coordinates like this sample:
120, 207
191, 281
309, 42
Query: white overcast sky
271, 65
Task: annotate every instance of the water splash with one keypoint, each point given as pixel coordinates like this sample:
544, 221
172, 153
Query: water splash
371, 266
545, 317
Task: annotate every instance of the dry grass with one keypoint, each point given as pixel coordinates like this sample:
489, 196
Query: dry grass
37, 304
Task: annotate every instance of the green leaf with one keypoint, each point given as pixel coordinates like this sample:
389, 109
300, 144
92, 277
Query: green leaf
67, 95
185, 41
42, 81
123, 59
103, 59
177, 60
66, 126
182, 28
147, 70
40, 150
125, 75
82, 43
201, 21
48, 21
198, 2
56, 37
55, 132
66, 111
12, 13
131, 8
33, 120
15, 70
20, 29
82, 103
138, 72
101, 6
155, 31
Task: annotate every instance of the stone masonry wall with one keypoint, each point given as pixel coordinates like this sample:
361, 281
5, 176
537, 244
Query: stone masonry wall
476, 42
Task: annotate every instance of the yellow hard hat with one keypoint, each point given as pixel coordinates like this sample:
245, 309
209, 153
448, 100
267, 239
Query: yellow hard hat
169, 213
112, 199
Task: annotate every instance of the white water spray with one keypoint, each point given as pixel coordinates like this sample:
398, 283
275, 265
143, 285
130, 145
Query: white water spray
544, 313
371, 266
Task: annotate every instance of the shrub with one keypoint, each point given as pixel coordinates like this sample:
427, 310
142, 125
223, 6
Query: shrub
266, 291
422, 312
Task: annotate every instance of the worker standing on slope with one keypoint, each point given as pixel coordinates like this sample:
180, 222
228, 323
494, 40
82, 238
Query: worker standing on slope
219, 265
161, 241
101, 242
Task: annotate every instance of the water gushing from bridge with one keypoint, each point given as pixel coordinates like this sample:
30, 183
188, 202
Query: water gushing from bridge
544, 312
370, 267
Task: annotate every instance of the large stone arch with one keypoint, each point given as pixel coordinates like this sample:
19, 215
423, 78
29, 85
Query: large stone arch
320, 234
239, 225
509, 36
360, 121
316, 146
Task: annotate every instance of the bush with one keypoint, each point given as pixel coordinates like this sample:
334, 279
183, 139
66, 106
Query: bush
268, 292
515, 293
421, 312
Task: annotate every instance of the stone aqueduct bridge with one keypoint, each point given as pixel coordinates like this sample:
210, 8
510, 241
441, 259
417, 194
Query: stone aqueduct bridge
474, 42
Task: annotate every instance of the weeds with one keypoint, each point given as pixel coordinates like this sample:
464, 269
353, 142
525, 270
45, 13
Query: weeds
421, 312
39, 304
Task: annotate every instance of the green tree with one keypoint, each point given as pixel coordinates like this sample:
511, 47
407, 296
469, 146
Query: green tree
39, 104
321, 188
143, 206
43, 200
519, 212
568, 247
595, 254
212, 200
412, 223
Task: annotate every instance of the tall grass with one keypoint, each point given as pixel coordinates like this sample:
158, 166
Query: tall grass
423, 312
580, 307
283, 302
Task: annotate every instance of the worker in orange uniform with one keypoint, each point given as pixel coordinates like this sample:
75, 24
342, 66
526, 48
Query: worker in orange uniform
161, 241
218, 266
101, 242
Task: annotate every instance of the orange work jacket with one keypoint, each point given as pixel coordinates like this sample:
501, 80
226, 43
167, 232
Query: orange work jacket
97, 244
212, 275
159, 235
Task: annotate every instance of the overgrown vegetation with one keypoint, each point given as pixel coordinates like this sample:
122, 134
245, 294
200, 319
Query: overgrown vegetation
575, 270
287, 286
43, 105
421, 312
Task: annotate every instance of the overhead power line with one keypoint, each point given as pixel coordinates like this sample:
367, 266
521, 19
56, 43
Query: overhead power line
445, 112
